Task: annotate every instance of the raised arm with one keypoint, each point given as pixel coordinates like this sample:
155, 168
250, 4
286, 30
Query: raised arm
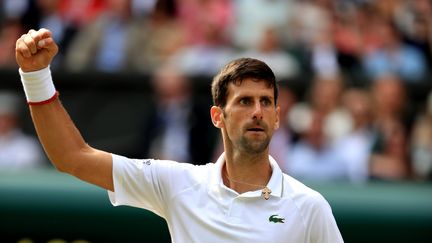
61, 140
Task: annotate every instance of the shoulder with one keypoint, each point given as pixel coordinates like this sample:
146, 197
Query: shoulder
186, 170
314, 210
183, 177
167, 172
157, 164
302, 195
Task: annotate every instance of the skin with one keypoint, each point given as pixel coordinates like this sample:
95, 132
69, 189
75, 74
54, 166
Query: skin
61, 140
247, 123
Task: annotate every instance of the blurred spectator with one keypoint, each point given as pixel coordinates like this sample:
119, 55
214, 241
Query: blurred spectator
305, 33
160, 39
142, 8
313, 158
322, 122
13, 9
354, 148
394, 57
387, 9
207, 57
79, 13
306, 22
253, 17
370, 22
414, 19
392, 122
108, 43
205, 23
197, 16
390, 102
324, 60
325, 97
10, 31
17, 150
349, 26
177, 121
270, 50
390, 155
421, 143
284, 137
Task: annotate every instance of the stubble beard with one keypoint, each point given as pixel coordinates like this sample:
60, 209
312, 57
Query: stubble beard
253, 146
248, 145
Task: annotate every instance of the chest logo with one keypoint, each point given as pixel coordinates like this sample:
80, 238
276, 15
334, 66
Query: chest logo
276, 219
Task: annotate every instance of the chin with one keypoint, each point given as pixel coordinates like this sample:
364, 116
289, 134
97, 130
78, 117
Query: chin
256, 147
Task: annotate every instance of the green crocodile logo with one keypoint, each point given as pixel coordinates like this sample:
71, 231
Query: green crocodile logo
275, 219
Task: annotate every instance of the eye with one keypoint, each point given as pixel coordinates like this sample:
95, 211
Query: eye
244, 101
266, 102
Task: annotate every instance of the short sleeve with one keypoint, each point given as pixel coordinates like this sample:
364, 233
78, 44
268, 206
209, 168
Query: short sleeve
141, 183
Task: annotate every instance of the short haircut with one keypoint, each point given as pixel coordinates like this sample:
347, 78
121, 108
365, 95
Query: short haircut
238, 70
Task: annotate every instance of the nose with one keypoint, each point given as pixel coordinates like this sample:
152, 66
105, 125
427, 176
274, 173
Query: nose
258, 111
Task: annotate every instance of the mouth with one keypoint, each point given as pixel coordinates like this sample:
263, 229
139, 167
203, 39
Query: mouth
255, 129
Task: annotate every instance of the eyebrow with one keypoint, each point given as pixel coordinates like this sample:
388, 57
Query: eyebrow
269, 97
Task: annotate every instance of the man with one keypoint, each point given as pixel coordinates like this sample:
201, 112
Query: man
243, 197
13, 140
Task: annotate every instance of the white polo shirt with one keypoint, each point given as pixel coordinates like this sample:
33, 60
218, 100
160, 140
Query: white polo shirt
198, 207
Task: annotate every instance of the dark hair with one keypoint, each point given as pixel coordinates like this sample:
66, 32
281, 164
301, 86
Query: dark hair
238, 70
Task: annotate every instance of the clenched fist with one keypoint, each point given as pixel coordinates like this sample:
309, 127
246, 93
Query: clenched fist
35, 50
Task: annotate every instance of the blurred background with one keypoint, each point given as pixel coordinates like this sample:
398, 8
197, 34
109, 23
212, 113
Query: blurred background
355, 96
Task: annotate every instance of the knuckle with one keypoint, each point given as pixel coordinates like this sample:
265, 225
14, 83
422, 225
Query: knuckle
27, 38
29, 42
33, 35
19, 45
44, 30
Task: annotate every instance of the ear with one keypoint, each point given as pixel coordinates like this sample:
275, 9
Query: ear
216, 116
277, 120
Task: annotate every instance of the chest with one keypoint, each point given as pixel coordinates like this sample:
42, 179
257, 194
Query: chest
220, 218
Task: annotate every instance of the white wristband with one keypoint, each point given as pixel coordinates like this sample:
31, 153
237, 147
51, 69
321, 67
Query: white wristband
38, 85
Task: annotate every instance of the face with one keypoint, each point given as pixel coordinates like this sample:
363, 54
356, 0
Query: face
249, 118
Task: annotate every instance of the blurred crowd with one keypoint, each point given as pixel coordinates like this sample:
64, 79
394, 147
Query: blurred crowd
356, 122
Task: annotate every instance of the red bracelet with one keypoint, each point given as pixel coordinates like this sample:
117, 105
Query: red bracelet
54, 97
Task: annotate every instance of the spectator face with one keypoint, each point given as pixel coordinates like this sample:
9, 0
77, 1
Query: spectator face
7, 123
315, 133
170, 83
48, 6
358, 104
8, 112
120, 7
325, 94
389, 96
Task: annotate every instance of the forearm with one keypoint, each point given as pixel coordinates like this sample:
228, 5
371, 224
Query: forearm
57, 133
66, 148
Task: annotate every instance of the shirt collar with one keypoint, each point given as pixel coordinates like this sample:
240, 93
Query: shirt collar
274, 184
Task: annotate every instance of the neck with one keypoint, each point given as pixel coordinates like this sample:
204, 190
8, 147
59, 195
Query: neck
244, 173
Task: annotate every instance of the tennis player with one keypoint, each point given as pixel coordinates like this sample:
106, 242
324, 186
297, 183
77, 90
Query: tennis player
242, 197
